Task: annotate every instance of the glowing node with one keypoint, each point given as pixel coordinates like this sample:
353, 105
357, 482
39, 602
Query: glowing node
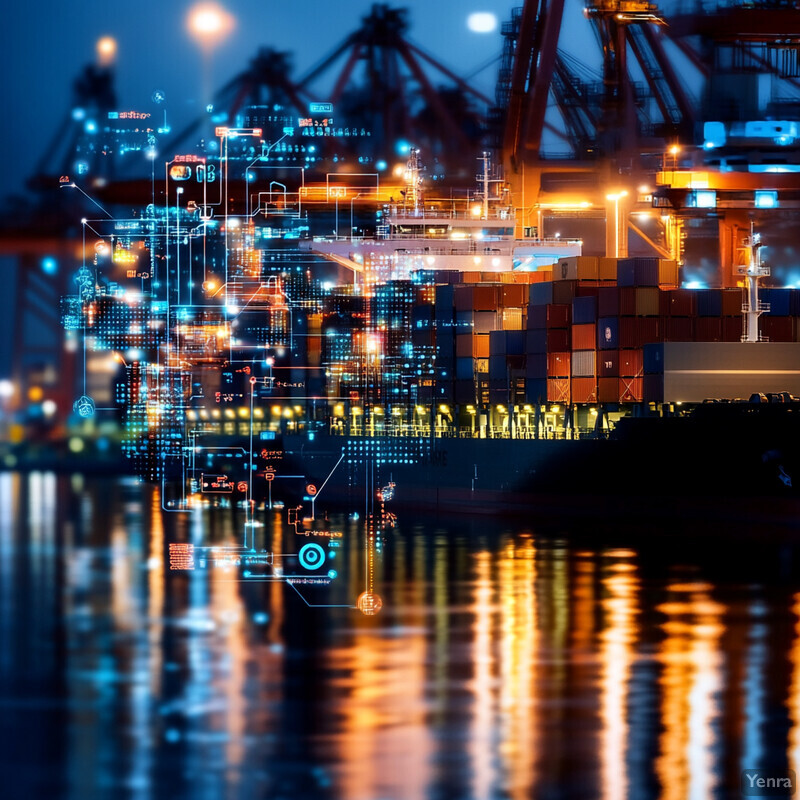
209, 23
369, 603
482, 22
311, 556
84, 406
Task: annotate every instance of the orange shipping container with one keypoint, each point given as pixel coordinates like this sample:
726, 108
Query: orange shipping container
480, 345
558, 390
607, 269
631, 362
584, 337
631, 390
512, 319
484, 297
608, 390
584, 390
514, 295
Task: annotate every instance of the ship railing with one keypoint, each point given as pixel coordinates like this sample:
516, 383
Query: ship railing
762, 308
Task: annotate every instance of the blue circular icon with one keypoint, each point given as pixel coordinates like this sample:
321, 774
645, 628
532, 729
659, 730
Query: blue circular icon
84, 406
311, 556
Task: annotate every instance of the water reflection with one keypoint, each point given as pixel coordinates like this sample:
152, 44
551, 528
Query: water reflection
505, 662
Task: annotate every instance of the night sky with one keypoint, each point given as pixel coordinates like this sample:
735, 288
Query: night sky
45, 45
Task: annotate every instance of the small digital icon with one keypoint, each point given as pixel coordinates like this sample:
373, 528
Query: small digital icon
369, 603
311, 490
84, 406
242, 486
269, 475
158, 96
311, 556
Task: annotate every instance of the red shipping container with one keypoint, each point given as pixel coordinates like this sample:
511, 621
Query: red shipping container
631, 390
608, 390
558, 390
631, 362
558, 365
608, 302
558, 340
464, 345
732, 300
627, 301
628, 334
550, 316
732, 329
584, 390
777, 329
584, 336
608, 363
648, 330
484, 297
708, 329
679, 329
677, 303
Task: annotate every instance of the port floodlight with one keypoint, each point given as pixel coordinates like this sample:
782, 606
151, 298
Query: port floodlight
674, 150
6, 388
444, 409
106, 50
209, 23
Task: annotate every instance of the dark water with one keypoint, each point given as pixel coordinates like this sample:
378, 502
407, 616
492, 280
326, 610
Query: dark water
506, 661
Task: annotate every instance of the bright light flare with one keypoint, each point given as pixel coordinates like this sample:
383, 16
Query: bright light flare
106, 50
209, 23
482, 22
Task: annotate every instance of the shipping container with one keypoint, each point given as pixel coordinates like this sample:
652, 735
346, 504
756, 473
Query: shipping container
480, 345
485, 297
693, 372
627, 301
550, 316
547, 341
574, 268
512, 319
464, 368
608, 390
470, 277
514, 295
608, 363
648, 329
558, 365
536, 365
631, 363
607, 269
608, 302
677, 303
536, 390
679, 329
608, 333
732, 329
709, 302
631, 390
640, 271
584, 337
779, 301
668, 275
708, 329
584, 310
731, 303
464, 345
584, 390
564, 292
558, 390
777, 329
481, 365
484, 321
540, 294
507, 342
583, 363
498, 368
443, 307
653, 388
647, 301
464, 392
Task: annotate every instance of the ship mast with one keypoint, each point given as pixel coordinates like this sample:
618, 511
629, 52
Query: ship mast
413, 191
752, 308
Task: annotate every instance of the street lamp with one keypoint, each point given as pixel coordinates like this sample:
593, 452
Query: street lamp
616, 197
209, 24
